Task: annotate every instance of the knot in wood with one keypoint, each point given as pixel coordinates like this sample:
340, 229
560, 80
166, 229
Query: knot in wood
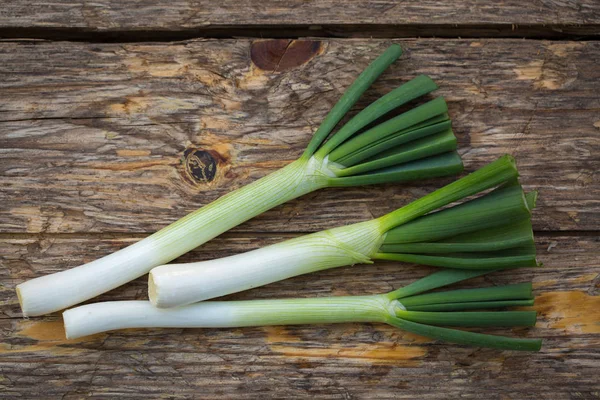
200, 165
283, 54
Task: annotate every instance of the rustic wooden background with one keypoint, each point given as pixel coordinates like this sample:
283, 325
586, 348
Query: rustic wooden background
107, 106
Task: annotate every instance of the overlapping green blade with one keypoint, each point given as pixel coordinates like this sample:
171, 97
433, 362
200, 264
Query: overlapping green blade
519, 257
492, 231
411, 90
489, 176
408, 120
434, 281
520, 291
467, 338
351, 96
486, 240
473, 305
430, 167
475, 319
429, 146
424, 313
500, 207
432, 126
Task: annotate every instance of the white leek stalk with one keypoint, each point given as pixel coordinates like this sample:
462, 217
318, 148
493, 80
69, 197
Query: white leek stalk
178, 284
394, 308
424, 147
63, 289
99, 317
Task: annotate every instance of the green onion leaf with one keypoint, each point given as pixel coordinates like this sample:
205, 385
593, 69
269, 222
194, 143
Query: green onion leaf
403, 121
510, 258
479, 318
411, 90
502, 206
429, 146
486, 177
351, 96
473, 305
467, 338
491, 239
435, 280
518, 291
432, 126
431, 167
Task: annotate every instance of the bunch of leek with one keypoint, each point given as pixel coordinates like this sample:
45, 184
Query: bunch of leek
408, 308
417, 144
488, 232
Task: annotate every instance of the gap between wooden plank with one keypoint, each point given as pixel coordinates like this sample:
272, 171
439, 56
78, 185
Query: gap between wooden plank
234, 234
530, 31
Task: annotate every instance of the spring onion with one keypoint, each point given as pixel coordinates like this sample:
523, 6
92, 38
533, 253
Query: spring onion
401, 308
489, 232
416, 144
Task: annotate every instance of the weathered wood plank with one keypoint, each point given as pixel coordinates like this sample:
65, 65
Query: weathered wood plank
101, 137
152, 15
331, 361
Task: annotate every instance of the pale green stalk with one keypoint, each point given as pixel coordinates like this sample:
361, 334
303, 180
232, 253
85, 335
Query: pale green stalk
387, 308
174, 285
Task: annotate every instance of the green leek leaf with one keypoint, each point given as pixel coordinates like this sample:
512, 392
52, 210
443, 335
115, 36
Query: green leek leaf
474, 305
479, 318
517, 291
467, 338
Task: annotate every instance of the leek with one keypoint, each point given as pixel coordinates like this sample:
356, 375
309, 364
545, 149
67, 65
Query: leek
394, 308
424, 148
489, 232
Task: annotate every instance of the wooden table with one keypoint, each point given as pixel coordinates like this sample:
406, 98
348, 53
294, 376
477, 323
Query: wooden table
107, 107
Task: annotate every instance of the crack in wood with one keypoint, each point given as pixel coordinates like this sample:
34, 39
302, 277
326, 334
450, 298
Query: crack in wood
233, 234
583, 32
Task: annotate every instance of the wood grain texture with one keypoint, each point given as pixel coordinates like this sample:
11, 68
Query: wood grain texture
101, 137
114, 15
330, 361
101, 144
